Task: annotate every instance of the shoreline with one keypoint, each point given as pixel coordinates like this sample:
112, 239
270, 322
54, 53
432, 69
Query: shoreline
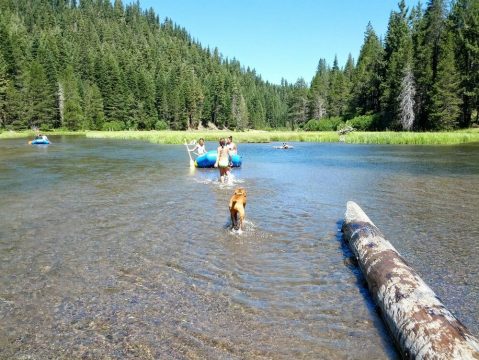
258, 136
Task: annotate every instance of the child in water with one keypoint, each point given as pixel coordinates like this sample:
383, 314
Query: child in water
199, 147
223, 160
231, 145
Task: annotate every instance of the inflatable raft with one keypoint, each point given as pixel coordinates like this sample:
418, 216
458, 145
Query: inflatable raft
39, 142
208, 160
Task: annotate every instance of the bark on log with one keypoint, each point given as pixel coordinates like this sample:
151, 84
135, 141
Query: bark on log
421, 325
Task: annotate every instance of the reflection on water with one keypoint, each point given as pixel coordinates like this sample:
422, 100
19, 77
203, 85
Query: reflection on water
117, 250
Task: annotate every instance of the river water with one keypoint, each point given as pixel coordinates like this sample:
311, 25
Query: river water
116, 249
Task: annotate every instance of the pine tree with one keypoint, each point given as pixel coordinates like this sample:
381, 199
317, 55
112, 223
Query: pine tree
118, 10
133, 113
445, 99
349, 70
220, 111
275, 108
426, 39
113, 90
465, 27
239, 110
37, 93
318, 92
338, 92
193, 98
398, 58
298, 106
14, 108
70, 101
47, 54
176, 119
146, 97
257, 113
368, 75
92, 104
6, 49
161, 97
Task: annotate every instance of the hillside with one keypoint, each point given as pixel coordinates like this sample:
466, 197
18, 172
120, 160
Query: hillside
94, 64
99, 65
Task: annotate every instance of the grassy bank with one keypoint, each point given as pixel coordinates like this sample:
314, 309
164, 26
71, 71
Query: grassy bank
414, 138
356, 137
31, 134
178, 137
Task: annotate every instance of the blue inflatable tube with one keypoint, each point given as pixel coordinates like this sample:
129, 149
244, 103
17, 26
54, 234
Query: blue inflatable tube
208, 160
40, 142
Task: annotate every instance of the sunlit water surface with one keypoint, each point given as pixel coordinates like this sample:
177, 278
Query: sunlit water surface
116, 249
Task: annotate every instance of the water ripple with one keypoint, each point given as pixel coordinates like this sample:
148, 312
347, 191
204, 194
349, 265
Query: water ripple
118, 250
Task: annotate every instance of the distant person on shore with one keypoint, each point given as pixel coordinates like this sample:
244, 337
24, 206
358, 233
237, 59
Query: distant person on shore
199, 147
233, 149
223, 159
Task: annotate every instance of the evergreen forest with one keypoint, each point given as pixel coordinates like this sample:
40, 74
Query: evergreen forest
103, 65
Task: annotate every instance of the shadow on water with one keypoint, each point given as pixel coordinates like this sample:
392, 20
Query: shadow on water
352, 264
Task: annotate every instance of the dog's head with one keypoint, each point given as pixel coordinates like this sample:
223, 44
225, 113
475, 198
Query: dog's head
240, 192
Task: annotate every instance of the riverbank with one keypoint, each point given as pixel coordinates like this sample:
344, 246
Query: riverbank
389, 137
179, 137
254, 136
414, 138
31, 134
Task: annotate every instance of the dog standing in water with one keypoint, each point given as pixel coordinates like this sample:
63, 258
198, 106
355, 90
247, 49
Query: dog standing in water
237, 208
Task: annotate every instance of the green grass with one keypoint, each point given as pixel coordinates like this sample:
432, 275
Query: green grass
179, 137
413, 138
254, 136
30, 133
357, 137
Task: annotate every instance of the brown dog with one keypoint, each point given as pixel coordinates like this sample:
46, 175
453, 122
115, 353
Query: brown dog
237, 208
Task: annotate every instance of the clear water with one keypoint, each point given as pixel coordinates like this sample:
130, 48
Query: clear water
116, 249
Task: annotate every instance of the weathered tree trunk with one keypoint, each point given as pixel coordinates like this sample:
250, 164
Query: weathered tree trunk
406, 100
61, 102
421, 325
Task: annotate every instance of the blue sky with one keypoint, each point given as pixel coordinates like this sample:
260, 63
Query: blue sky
282, 38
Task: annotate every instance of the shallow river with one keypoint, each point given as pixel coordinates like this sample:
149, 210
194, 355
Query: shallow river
115, 249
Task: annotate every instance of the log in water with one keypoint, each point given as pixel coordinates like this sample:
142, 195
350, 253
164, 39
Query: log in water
420, 324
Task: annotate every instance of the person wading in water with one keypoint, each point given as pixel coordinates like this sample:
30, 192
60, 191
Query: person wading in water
223, 160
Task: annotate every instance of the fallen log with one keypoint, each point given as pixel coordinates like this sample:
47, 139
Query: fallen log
421, 325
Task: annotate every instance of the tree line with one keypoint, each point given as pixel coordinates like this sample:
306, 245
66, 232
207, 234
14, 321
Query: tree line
423, 76
101, 65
